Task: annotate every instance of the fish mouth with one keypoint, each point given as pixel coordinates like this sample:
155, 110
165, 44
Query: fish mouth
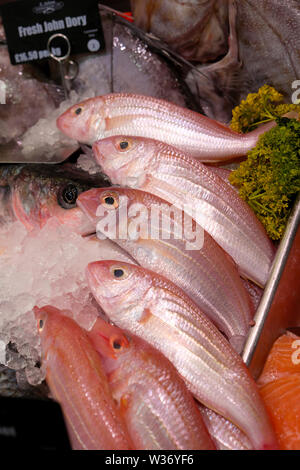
88, 205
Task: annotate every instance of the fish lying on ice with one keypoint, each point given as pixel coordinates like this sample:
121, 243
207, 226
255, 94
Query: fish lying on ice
147, 305
162, 170
144, 116
34, 193
162, 243
159, 411
129, 65
75, 376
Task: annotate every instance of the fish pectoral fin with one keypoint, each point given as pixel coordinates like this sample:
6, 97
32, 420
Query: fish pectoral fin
146, 315
124, 403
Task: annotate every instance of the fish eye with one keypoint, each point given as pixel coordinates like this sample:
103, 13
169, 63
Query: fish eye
124, 145
78, 111
67, 196
110, 200
118, 273
41, 325
117, 345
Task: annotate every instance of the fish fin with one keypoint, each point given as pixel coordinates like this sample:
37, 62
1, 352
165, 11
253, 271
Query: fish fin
146, 315
237, 342
124, 403
117, 122
102, 346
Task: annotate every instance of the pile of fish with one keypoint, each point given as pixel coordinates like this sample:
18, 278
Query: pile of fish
130, 280
157, 366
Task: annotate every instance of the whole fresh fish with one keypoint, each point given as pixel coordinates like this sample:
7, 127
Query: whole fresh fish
162, 170
225, 434
34, 193
157, 237
76, 379
144, 116
159, 411
196, 29
151, 307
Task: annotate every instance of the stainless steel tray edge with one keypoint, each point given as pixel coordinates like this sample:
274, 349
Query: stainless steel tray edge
270, 319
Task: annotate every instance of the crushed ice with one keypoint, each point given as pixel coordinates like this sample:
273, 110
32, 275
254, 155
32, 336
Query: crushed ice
41, 268
44, 138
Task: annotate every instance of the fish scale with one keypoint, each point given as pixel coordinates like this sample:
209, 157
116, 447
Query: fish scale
76, 378
166, 172
159, 411
144, 116
160, 313
204, 272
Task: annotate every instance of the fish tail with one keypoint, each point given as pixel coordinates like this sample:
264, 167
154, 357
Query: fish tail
253, 136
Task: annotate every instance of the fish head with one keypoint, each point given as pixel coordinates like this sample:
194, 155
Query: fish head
119, 288
108, 340
36, 197
85, 121
97, 201
49, 322
125, 203
125, 160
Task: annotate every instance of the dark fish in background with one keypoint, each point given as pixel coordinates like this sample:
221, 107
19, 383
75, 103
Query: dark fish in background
34, 193
262, 46
268, 36
196, 29
129, 65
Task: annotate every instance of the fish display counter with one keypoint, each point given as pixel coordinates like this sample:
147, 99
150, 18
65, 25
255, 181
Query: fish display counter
149, 228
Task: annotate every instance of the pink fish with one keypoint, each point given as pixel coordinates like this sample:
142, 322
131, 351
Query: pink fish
194, 262
225, 434
151, 307
144, 116
76, 379
159, 411
162, 170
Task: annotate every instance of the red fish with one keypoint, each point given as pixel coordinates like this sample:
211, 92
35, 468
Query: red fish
159, 411
76, 379
194, 262
151, 307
